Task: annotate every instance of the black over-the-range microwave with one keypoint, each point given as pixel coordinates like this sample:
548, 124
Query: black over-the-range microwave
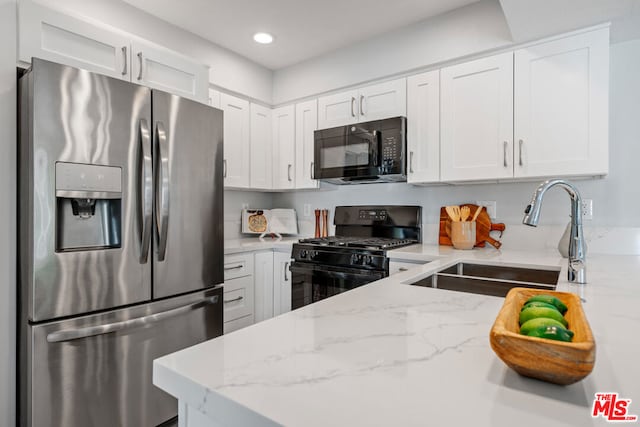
362, 152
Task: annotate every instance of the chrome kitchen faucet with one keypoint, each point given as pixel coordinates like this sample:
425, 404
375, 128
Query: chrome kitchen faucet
577, 271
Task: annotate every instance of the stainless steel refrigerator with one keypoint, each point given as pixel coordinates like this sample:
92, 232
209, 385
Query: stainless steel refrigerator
121, 244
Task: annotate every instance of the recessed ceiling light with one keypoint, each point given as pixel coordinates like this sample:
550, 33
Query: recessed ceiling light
263, 38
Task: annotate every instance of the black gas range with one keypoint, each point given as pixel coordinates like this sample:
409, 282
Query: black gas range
356, 255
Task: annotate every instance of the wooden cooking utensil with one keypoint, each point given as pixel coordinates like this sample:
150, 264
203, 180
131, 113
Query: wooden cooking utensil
464, 213
475, 215
452, 213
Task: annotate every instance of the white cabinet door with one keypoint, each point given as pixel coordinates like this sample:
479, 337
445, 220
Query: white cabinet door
477, 119
50, 35
281, 283
423, 127
166, 70
236, 141
263, 286
338, 110
214, 98
306, 124
284, 147
383, 100
238, 298
260, 152
561, 106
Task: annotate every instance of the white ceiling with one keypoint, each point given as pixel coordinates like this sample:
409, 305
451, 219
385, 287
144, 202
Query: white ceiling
302, 28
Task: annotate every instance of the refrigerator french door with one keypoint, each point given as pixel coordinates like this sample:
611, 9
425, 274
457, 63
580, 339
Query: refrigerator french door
121, 248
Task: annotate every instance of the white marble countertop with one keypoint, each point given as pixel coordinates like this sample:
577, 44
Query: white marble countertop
251, 244
390, 354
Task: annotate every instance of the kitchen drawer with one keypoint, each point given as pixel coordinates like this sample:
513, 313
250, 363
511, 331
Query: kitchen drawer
238, 265
238, 298
234, 325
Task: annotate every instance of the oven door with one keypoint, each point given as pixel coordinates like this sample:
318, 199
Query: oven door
347, 152
311, 283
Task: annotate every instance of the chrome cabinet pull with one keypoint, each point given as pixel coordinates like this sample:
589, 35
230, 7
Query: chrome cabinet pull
504, 152
74, 334
162, 190
140, 61
234, 300
146, 191
235, 267
520, 142
410, 161
311, 171
224, 168
362, 105
125, 60
353, 101
289, 173
286, 267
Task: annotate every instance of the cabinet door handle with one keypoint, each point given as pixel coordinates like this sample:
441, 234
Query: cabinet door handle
289, 173
504, 153
353, 101
235, 267
311, 171
520, 142
140, 62
362, 105
124, 60
227, 301
286, 267
224, 168
410, 161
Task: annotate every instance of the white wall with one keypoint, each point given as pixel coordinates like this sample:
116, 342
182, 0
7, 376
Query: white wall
228, 69
616, 198
469, 30
7, 211
233, 201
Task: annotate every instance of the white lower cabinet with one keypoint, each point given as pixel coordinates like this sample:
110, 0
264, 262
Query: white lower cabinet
238, 296
281, 283
263, 286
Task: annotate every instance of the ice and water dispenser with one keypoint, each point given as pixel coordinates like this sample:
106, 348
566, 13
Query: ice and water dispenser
88, 207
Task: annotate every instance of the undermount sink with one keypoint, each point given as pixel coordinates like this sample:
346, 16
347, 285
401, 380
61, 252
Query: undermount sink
495, 280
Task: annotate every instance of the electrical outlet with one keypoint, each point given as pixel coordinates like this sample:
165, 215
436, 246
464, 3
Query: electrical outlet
245, 206
491, 206
587, 209
306, 210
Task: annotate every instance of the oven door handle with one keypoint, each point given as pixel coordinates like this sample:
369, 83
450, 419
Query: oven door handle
334, 272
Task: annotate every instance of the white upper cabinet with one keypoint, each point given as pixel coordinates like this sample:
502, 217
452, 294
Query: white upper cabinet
260, 151
388, 99
306, 124
337, 110
162, 69
236, 141
423, 127
56, 37
477, 119
284, 148
561, 106
379, 101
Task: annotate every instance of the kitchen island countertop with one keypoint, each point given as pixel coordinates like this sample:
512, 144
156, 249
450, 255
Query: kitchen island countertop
390, 354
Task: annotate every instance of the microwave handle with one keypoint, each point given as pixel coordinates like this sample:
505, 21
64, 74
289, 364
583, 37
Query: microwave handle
377, 146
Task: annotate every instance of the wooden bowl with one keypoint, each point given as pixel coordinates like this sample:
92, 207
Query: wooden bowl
556, 362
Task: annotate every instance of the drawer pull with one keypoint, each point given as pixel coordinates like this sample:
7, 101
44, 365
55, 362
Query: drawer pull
233, 300
235, 267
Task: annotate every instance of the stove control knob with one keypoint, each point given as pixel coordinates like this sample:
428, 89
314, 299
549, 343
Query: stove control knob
313, 254
303, 253
368, 260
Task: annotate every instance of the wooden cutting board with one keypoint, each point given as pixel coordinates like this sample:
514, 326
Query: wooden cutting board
483, 227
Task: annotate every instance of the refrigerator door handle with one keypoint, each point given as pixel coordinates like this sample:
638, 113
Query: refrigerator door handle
162, 190
74, 334
146, 191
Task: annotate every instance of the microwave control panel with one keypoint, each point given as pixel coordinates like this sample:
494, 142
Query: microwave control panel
391, 151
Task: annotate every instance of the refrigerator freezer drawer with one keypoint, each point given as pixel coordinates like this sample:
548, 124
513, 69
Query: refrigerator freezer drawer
97, 370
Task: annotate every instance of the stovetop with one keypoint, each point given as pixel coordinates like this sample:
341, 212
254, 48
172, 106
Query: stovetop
376, 243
